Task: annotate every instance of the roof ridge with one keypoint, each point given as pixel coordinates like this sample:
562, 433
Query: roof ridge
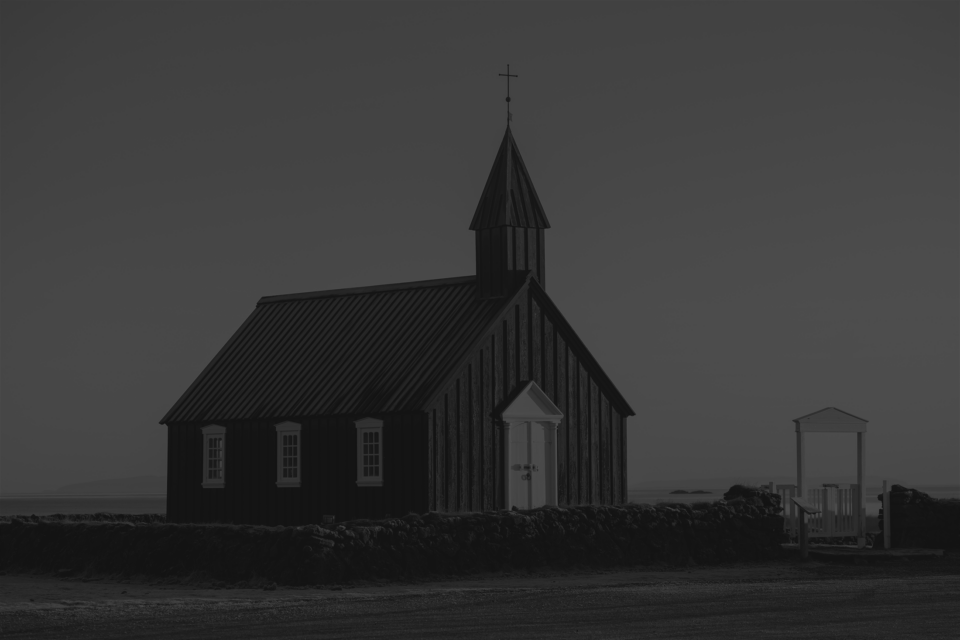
560, 320
378, 288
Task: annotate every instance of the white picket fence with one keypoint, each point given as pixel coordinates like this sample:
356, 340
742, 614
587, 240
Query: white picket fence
790, 510
839, 506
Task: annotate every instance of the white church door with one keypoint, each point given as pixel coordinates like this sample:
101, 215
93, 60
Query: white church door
530, 475
528, 467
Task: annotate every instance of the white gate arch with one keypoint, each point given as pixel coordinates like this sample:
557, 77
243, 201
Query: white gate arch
843, 513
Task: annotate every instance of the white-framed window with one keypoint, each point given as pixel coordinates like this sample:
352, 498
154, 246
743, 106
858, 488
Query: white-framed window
214, 456
369, 452
289, 446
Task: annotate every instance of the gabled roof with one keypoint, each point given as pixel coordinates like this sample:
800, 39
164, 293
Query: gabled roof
347, 351
509, 198
560, 324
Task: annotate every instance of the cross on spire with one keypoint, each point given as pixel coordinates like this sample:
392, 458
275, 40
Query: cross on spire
508, 76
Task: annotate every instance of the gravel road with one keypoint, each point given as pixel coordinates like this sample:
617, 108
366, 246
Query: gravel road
781, 600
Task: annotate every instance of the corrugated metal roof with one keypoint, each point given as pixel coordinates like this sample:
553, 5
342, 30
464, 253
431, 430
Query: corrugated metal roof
509, 198
369, 350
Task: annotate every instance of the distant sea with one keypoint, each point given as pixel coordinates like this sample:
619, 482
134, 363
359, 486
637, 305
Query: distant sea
50, 504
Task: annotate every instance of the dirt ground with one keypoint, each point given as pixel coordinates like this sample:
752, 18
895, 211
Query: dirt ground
788, 599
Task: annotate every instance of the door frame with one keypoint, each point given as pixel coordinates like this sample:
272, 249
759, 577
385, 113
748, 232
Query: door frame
530, 404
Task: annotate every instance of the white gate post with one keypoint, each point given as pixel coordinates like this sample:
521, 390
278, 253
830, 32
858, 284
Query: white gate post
801, 460
829, 511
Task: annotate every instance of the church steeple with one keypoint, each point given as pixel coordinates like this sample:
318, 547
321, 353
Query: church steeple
509, 223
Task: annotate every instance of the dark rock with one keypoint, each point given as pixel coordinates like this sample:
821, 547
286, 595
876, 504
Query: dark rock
917, 520
747, 528
741, 491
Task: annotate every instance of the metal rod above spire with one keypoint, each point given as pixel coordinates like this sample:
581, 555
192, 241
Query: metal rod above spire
508, 76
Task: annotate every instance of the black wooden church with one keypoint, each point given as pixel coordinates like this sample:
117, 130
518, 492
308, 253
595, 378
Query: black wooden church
460, 394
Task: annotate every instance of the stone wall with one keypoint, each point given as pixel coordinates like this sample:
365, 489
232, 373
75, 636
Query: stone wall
746, 526
917, 520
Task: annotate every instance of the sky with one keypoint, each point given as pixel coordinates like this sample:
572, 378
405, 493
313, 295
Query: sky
754, 208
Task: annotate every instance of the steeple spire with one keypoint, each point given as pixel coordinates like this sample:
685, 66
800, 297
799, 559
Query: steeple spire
509, 198
509, 223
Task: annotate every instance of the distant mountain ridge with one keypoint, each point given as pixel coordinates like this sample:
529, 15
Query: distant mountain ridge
724, 483
116, 486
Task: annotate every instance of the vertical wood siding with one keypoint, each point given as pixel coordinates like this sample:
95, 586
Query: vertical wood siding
476, 448
623, 458
526, 343
563, 454
328, 473
606, 493
440, 432
595, 449
486, 381
463, 445
523, 344
615, 479
498, 387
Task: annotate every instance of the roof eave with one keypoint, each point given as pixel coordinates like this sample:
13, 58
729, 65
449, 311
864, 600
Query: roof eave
544, 298
213, 361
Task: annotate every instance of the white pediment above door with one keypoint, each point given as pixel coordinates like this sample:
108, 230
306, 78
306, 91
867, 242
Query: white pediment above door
531, 403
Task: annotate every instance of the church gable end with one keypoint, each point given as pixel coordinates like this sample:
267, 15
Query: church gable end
529, 341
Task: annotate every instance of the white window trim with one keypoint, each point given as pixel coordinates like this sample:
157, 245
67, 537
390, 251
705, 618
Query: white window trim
214, 430
282, 429
367, 425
